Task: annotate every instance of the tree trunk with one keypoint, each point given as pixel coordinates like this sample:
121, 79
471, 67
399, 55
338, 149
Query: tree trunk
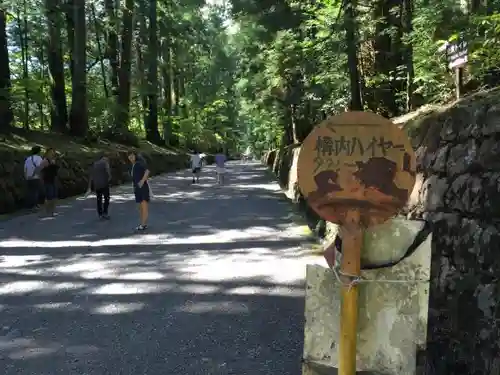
69, 12
79, 106
141, 71
5, 83
112, 55
352, 55
141, 42
177, 95
21, 29
182, 93
99, 50
388, 56
176, 83
41, 77
176, 105
151, 126
59, 111
23, 36
123, 103
407, 14
166, 69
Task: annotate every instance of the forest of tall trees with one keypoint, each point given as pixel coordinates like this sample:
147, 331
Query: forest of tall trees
301, 61
242, 72
118, 70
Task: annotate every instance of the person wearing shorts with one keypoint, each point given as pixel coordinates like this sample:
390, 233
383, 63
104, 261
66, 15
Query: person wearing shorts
196, 166
140, 175
220, 166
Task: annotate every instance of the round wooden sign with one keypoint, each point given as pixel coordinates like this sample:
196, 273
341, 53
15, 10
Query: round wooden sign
356, 161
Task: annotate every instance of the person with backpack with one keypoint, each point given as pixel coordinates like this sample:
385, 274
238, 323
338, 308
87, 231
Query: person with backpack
100, 178
32, 175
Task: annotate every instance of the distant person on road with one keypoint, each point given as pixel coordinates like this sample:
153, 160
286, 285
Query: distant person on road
32, 175
220, 166
140, 175
196, 166
50, 170
99, 179
247, 154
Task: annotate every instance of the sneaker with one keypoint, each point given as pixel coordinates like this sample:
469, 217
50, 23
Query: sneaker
105, 217
141, 227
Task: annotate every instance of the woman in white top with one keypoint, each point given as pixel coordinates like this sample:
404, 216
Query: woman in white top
32, 176
196, 166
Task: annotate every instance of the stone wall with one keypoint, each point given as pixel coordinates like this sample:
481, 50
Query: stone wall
392, 322
283, 164
73, 175
458, 194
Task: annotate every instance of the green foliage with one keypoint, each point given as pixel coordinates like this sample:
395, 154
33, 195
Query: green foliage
292, 56
485, 33
201, 72
252, 72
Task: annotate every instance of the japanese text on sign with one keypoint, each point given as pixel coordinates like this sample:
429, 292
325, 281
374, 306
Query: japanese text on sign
353, 146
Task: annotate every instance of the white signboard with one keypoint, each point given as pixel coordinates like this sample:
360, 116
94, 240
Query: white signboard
456, 53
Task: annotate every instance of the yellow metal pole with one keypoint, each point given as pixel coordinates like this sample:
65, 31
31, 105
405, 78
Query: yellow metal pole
352, 240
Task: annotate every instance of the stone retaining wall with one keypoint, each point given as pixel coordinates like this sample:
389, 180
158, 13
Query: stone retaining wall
73, 175
458, 194
283, 164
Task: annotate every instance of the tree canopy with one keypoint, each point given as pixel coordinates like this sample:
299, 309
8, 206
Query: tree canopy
231, 74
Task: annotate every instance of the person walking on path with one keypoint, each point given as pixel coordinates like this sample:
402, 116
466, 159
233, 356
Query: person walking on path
247, 154
140, 175
220, 166
99, 179
196, 166
32, 176
49, 174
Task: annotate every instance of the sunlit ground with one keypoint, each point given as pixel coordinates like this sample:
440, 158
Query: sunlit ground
200, 265
200, 270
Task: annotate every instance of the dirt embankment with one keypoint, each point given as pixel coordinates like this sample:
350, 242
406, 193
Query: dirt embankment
75, 158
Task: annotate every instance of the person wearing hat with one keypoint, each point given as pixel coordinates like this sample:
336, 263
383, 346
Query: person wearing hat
32, 175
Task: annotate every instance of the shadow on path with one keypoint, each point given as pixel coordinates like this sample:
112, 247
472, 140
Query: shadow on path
214, 287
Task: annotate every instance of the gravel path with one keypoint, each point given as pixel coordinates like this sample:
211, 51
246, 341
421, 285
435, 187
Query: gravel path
213, 287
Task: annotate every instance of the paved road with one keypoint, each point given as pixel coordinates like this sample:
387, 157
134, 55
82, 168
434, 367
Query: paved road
213, 287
